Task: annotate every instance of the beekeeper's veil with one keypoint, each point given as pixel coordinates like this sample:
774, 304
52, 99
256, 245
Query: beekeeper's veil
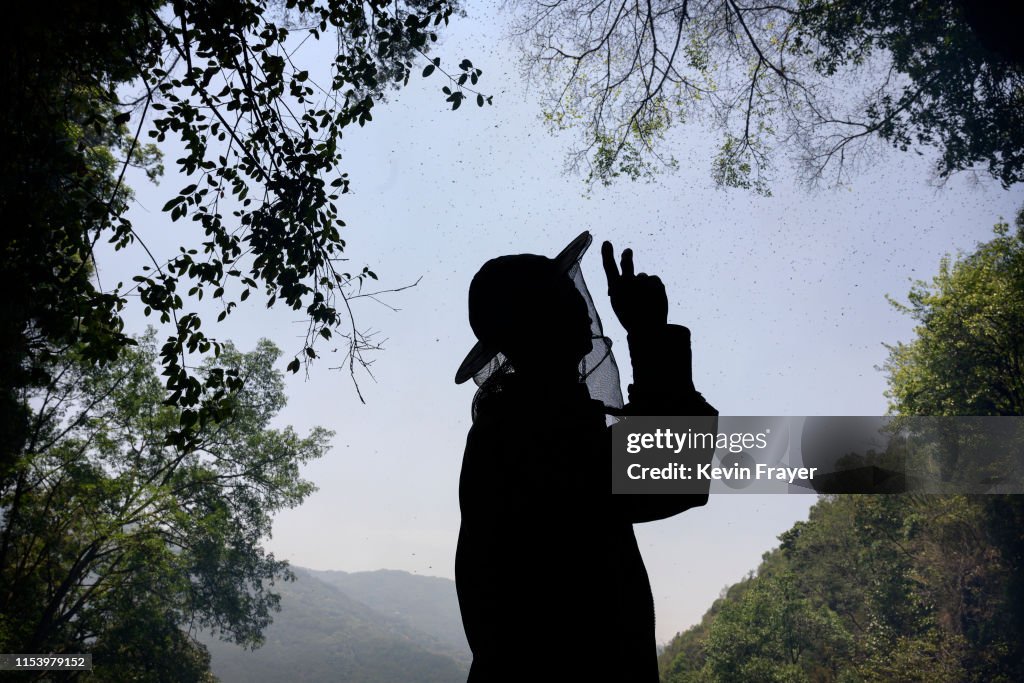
487, 366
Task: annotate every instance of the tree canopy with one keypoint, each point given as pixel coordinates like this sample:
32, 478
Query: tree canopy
968, 354
114, 541
92, 87
138, 477
821, 82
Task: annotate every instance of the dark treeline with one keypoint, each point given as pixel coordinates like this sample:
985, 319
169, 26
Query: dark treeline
872, 588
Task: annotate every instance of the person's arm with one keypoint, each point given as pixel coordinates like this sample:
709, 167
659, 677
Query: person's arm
663, 385
662, 373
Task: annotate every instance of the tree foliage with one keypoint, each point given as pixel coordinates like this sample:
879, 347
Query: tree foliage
113, 541
770, 632
92, 87
968, 354
870, 588
818, 81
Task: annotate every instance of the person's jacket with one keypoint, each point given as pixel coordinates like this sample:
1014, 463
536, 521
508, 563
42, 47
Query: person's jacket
551, 583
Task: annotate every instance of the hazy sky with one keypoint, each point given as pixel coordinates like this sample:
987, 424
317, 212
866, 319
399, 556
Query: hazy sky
785, 296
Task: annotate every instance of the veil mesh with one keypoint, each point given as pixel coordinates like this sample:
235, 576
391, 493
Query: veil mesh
598, 368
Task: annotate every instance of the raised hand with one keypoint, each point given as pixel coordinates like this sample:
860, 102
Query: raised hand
639, 301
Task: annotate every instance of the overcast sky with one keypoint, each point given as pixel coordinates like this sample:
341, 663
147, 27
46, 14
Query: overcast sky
785, 296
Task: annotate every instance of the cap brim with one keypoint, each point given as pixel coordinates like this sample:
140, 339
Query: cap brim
478, 356
573, 251
481, 354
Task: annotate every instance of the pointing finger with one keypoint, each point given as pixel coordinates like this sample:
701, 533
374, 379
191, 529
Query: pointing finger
611, 270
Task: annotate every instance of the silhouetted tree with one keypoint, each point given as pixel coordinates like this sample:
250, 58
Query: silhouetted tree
91, 87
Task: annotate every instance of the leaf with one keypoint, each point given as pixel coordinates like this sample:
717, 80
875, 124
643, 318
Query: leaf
188, 418
293, 367
429, 69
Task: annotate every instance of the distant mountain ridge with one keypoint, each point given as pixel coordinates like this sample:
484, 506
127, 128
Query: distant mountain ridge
382, 626
426, 603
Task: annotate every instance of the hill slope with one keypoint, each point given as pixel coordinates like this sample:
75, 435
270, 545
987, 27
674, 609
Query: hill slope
324, 634
873, 588
426, 603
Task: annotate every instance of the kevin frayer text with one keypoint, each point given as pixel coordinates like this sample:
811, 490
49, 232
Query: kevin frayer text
677, 470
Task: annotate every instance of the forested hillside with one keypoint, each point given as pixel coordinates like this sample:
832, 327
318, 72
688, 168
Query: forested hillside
873, 588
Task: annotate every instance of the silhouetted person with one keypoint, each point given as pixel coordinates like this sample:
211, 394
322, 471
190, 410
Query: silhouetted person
551, 583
